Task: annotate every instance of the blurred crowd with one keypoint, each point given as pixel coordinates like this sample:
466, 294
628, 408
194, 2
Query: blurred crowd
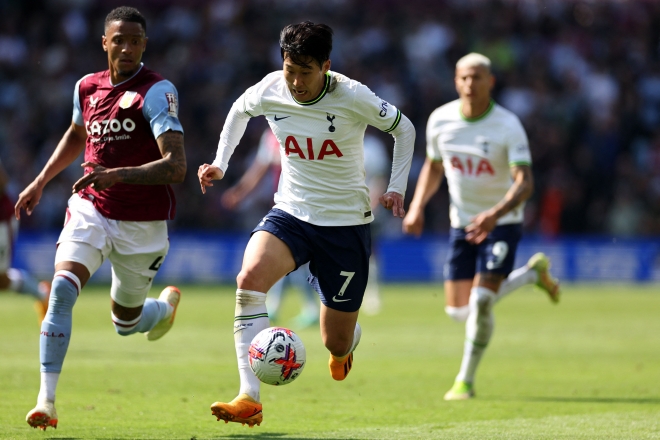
584, 77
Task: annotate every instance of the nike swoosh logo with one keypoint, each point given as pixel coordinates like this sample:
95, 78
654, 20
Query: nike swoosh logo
279, 119
334, 298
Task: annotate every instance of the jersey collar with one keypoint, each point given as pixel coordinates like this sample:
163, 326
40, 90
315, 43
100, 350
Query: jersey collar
321, 95
126, 80
480, 117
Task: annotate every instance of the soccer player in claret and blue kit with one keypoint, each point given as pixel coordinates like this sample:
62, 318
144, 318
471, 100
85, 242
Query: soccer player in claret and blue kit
322, 207
126, 120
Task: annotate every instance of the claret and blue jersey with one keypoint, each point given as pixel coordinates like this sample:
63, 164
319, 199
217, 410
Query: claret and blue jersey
123, 122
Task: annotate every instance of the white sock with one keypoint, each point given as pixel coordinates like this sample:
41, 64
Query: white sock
458, 314
518, 278
251, 316
357, 334
48, 386
478, 330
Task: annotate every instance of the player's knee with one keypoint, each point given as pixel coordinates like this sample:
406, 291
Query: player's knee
481, 299
246, 279
250, 280
64, 292
458, 314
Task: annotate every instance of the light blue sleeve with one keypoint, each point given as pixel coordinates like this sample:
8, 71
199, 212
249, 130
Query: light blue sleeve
77, 117
161, 108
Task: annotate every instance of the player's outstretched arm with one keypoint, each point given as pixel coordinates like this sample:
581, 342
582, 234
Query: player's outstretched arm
170, 169
428, 183
521, 189
207, 174
67, 150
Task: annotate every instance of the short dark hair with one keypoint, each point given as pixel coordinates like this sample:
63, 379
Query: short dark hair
126, 13
303, 40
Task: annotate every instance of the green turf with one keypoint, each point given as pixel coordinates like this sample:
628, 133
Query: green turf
586, 368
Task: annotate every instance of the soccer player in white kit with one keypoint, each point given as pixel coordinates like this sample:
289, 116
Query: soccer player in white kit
322, 207
484, 152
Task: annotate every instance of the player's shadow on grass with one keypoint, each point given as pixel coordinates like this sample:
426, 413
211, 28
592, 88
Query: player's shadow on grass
74, 438
261, 436
652, 400
264, 436
271, 435
63, 438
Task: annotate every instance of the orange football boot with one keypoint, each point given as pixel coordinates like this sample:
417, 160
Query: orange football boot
243, 409
340, 367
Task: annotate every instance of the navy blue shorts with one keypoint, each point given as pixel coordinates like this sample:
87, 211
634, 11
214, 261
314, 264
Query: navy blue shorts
338, 256
496, 254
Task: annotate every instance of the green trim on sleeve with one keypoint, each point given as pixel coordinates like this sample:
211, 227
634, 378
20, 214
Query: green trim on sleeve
517, 164
245, 106
396, 121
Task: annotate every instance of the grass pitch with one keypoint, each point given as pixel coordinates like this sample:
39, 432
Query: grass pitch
588, 368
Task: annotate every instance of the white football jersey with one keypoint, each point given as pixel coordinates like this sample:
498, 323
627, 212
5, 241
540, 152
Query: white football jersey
321, 146
477, 155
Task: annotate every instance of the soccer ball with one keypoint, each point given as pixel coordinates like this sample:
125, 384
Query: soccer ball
277, 356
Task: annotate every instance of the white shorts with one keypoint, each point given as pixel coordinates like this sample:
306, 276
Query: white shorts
135, 249
8, 229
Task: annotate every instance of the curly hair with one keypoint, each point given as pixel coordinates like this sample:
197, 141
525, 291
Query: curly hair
126, 13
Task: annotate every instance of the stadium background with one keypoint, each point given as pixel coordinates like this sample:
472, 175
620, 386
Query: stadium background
584, 77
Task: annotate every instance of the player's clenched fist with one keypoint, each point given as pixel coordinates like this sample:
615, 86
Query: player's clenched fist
413, 222
206, 174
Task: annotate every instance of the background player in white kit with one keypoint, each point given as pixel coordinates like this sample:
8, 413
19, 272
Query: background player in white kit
267, 163
322, 210
484, 152
126, 121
